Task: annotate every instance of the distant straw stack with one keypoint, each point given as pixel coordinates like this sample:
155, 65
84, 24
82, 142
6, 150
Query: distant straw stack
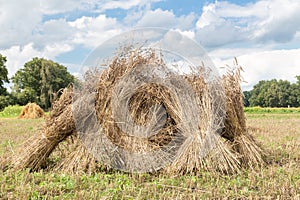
31, 111
34, 152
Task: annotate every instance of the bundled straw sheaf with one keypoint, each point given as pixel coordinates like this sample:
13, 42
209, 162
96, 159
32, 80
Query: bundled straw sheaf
34, 152
251, 153
228, 151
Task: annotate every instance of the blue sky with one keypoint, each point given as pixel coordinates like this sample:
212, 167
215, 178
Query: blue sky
263, 35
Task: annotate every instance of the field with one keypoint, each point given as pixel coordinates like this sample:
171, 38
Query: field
279, 132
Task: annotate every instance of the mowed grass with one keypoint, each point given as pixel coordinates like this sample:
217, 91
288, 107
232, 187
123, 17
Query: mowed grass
280, 179
14, 131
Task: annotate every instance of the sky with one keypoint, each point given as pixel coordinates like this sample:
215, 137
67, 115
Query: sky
263, 35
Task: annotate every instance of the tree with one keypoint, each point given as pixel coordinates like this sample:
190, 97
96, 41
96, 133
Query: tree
277, 93
294, 95
298, 80
3, 75
274, 93
39, 80
4, 98
257, 94
296, 90
247, 95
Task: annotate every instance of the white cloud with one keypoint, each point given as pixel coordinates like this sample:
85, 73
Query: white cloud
208, 17
17, 56
158, 18
281, 64
224, 23
53, 31
166, 19
91, 32
265, 65
230, 53
282, 23
97, 6
23, 21
220, 34
190, 34
125, 4
58, 6
17, 21
54, 37
214, 30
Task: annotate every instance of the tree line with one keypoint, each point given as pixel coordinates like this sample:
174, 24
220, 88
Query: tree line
274, 93
38, 81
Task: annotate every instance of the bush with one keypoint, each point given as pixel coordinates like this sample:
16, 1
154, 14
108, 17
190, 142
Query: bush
11, 111
4, 102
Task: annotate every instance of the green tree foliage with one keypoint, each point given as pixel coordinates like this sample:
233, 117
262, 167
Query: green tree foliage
296, 89
3, 75
5, 100
247, 95
39, 80
274, 93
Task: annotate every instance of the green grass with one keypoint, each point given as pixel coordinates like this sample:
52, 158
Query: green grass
14, 111
11, 111
260, 110
279, 134
117, 185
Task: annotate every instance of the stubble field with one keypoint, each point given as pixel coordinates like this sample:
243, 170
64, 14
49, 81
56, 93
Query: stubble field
280, 179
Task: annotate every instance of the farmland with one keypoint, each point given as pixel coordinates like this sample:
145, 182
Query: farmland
279, 132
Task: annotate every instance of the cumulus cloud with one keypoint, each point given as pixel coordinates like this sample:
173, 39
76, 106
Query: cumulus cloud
190, 34
166, 19
282, 23
57, 6
21, 23
18, 19
97, 6
264, 65
91, 32
27, 36
17, 56
55, 37
124, 4
24, 22
224, 23
281, 64
158, 18
53, 31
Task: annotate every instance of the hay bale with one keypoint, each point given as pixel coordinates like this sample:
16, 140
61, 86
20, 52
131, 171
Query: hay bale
31, 111
234, 147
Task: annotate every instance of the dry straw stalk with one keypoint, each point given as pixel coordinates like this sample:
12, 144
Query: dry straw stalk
233, 149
